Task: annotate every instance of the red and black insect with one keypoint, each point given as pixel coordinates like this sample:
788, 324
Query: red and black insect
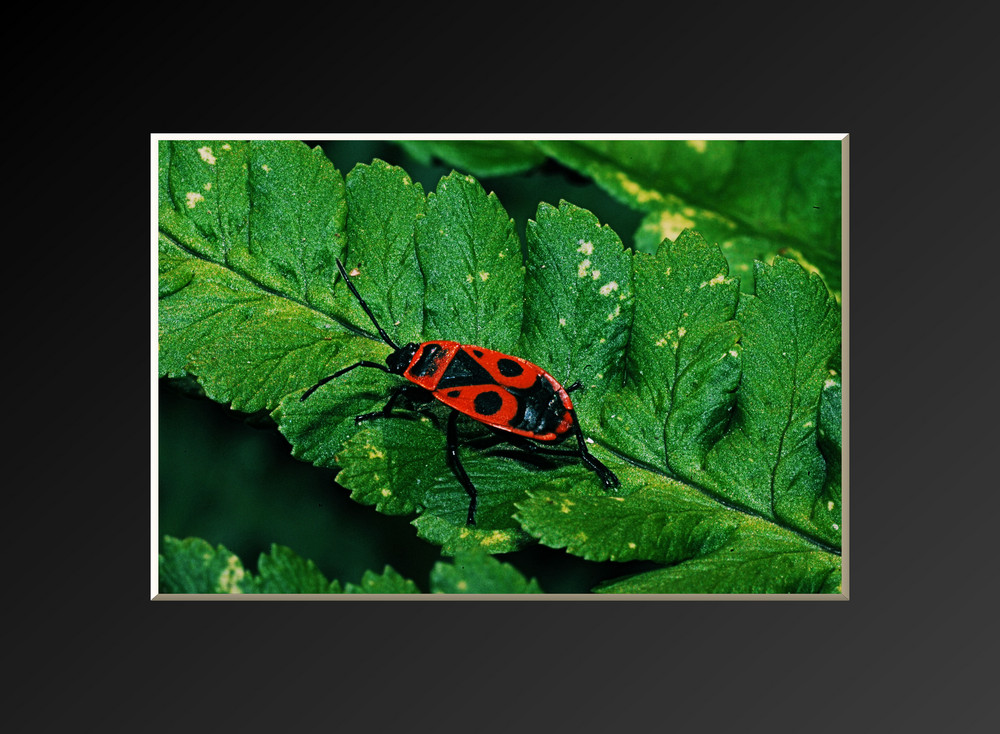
517, 399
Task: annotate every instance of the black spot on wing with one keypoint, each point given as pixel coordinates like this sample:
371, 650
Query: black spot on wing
508, 367
488, 402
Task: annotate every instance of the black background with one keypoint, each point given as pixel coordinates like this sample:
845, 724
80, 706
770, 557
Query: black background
909, 651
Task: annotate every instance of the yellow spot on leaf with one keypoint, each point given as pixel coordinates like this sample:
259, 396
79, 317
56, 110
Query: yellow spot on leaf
267, 168
698, 145
386, 492
615, 314
671, 224
608, 288
562, 322
497, 536
193, 197
587, 248
829, 505
631, 545
206, 155
633, 189
231, 575
484, 276
581, 271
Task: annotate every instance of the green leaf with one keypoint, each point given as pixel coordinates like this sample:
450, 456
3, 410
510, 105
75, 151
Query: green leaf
479, 573
383, 205
268, 210
769, 460
388, 582
192, 566
709, 547
284, 572
578, 317
683, 358
481, 158
246, 245
470, 255
756, 198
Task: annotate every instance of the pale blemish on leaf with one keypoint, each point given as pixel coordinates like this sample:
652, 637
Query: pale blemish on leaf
581, 271
733, 353
484, 276
374, 453
631, 545
496, 537
469, 278
681, 332
462, 585
633, 189
829, 505
227, 146
231, 575
386, 492
699, 146
587, 248
608, 288
615, 314
562, 322
596, 274
830, 383
267, 168
565, 506
193, 197
671, 224
208, 186
206, 155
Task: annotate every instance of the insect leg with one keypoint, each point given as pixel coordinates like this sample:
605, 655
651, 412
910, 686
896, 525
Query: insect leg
417, 394
592, 462
338, 373
458, 469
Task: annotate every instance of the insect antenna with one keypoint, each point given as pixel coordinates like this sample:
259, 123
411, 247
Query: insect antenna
381, 331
